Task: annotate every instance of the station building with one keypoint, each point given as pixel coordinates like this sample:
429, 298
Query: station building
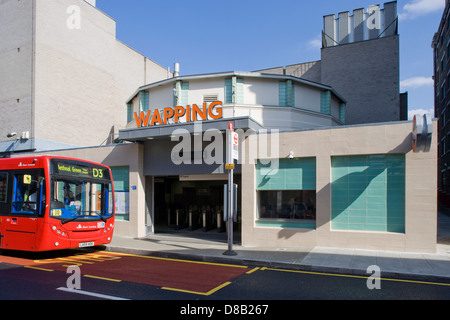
317, 167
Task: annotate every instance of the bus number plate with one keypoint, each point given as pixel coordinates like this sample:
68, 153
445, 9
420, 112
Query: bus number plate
85, 244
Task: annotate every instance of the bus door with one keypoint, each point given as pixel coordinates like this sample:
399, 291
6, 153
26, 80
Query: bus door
27, 204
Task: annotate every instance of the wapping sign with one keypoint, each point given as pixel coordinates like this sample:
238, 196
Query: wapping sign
177, 114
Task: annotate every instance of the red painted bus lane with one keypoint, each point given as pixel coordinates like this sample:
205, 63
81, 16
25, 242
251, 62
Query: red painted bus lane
171, 274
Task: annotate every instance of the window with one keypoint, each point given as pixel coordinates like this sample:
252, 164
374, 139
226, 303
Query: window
234, 90
286, 94
287, 204
325, 102
3, 186
28, 191
288, 194
73, 198
342, 107
144, 101
181, 93
121, 178
129, 112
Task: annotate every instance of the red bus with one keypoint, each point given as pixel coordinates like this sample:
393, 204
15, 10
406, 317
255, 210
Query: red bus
51, 203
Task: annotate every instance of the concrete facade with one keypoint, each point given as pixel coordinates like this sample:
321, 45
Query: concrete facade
395, 138
441, 69
262, 97
367, 75
360, 60
323, 145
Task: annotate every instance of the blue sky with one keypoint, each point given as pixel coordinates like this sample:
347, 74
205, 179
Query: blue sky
207, 36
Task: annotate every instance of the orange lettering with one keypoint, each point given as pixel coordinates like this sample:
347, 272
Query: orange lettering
219, 110
196, 111
214, 111
156, 118
143, 120
168, 113
188, 113
179, 112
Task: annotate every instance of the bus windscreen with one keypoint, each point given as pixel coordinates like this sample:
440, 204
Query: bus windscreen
80, 192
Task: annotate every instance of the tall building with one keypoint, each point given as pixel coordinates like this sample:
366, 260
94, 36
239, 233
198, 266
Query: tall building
360, 60
441, 55
65, 78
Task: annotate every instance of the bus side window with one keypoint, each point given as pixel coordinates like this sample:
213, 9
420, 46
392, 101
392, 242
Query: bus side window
26, 194
3, 186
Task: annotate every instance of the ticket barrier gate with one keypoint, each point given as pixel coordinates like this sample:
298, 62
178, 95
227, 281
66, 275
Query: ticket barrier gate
193, 219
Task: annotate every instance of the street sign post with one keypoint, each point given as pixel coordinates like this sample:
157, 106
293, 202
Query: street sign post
232, 153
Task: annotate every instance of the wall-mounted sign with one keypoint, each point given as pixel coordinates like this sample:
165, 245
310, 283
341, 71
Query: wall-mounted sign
177, 114
422, 133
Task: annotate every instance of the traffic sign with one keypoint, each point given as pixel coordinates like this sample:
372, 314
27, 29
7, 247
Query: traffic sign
232, 148
229, 166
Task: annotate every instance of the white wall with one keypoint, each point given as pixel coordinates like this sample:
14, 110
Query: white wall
261, 102
199, 88
307, 98
261, 92
160, 97
63, 68
16, 69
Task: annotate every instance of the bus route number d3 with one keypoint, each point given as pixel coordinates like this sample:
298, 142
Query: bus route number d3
97, 173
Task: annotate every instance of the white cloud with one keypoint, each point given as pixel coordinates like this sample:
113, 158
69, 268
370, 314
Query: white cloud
315, 43
412, 113
417, 82
416, 8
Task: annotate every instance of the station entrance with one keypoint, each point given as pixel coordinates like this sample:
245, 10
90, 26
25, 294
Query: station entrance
192, 205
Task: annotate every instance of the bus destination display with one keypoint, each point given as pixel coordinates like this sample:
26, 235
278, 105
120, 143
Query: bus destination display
77, 170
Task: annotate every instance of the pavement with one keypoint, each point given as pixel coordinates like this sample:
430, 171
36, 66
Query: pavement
210, 247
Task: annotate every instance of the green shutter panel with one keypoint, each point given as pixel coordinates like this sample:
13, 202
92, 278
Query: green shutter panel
342, 112
144, 101
129, 112
184, 93
325, 102
234, 90
368, 193
239, 92
290, 96
292, 174
228, 91
282, 94
181, 96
